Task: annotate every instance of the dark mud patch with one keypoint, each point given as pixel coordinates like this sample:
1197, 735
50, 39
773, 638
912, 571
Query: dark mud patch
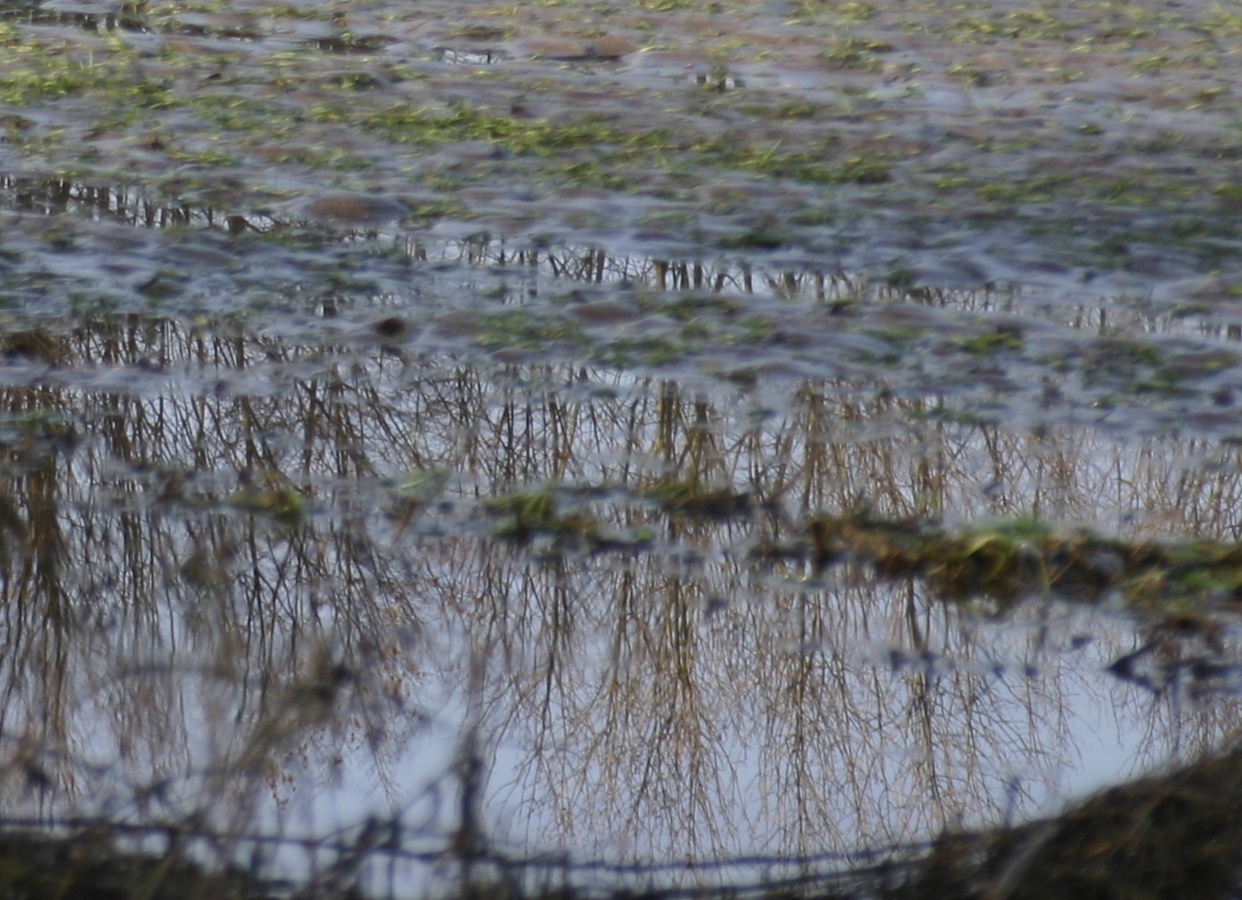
86, 865
1176, 835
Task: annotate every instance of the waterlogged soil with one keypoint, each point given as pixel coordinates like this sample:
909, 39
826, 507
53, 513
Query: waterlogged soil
1028, 356
651, 446
976, 141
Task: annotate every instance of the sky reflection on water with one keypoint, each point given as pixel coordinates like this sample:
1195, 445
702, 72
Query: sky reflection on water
284, 608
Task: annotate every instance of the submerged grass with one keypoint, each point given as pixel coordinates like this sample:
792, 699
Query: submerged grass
540, 514
1017, 558
194, 113
1007, 560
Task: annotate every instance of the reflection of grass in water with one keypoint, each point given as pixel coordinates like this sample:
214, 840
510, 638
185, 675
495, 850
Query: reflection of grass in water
685, 443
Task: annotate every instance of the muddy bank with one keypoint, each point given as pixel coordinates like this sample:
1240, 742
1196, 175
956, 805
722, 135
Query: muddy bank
1177, 834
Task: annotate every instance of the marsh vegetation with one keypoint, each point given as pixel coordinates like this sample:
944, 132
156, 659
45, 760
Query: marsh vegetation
722, 449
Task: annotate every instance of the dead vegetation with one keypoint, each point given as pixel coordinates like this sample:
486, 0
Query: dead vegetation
1176, 835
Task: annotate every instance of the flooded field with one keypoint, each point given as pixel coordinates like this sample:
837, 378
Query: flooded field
784, 448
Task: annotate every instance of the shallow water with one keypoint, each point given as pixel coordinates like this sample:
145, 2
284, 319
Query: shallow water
260, 579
